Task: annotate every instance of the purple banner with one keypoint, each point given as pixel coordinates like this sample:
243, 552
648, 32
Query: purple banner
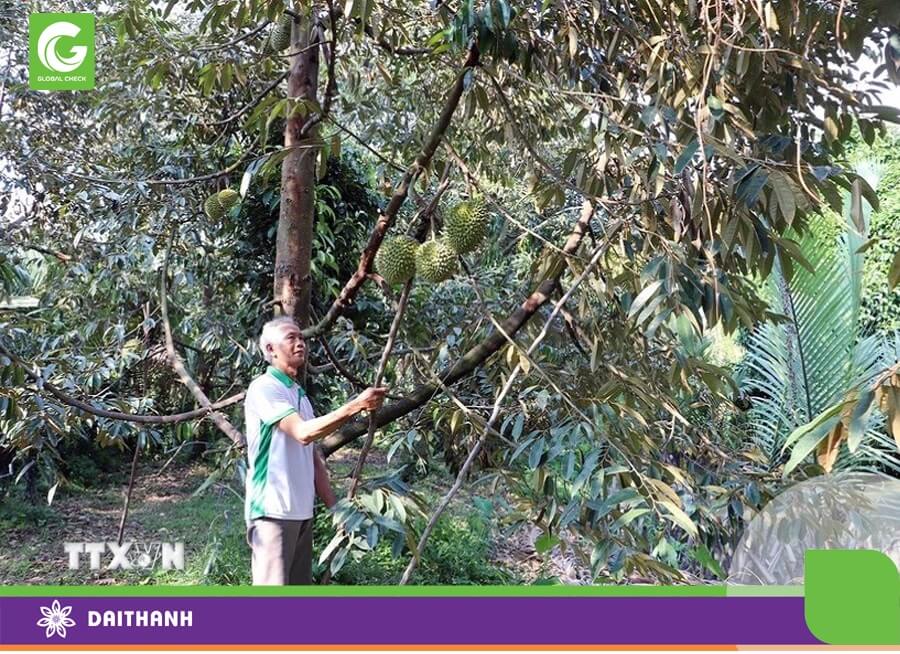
359, 621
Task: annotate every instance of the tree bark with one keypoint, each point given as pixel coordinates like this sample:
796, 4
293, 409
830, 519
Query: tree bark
293, 249
475, 356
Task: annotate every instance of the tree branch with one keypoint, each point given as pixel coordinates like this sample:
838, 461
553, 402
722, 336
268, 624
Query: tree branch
255, 101
420, 231
405, 50
386, 219
495, 413
62, 256
178, 365
390, 162
379, 375
331, 85
67, 399
477, 355
212, 48
167, 182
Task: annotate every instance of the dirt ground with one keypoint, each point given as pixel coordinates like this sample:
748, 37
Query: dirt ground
32, 548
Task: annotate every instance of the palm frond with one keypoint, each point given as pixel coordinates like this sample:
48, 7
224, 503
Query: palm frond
799, 367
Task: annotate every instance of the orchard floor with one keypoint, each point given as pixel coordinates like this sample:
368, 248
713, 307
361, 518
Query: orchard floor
468, 547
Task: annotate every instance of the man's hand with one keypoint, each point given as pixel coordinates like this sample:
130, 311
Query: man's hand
370, 399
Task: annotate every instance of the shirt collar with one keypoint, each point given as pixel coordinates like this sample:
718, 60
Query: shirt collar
285, 379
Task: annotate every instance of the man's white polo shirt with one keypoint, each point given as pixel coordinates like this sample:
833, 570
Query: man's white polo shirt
280, 473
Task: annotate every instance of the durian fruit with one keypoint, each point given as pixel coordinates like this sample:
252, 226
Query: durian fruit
280, 38
467, 225
396, 259
213, 207
228, 198
436, 261
218, 204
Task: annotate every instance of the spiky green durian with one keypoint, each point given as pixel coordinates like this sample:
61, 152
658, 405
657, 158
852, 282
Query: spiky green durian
436, 261
213, 207
467, 225
228, 198
396, 259
280, 38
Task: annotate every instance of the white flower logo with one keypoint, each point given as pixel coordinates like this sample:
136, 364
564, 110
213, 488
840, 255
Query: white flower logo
56, 619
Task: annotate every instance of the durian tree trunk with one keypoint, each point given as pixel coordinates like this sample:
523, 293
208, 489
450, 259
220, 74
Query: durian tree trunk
293, 249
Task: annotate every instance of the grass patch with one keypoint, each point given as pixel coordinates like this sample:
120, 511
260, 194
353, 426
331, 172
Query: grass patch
211, 525
457, 553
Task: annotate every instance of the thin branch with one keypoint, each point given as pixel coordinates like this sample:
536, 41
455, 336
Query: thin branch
62, 256
495, 413
419, 232
134, 460
390, 162
379, 375
212, 48
386, 219
178, 365
337, 365
169, 182
67, 399
255, 101
404, 50
475, 356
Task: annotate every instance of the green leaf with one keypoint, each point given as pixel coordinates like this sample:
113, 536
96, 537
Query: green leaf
628, 517
703, 556
794, 251
643, 297
894, 274
716, 107
545, 543
813, 425
679, 517
810, 439
832, 130
859, 420
856, 210
685, 158
784, 193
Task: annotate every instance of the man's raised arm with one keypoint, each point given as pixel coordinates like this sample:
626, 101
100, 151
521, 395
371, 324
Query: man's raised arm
309, 431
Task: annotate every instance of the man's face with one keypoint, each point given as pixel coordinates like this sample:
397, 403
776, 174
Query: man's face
291, 350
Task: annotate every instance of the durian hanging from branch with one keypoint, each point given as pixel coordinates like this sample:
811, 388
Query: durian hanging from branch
218, 204
396, 260
436, 261
280, 36
401, 258
467, 225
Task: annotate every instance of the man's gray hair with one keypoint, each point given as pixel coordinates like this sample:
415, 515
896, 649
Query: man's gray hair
272, 333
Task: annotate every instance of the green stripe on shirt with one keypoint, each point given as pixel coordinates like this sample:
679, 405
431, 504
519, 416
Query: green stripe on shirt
261, 466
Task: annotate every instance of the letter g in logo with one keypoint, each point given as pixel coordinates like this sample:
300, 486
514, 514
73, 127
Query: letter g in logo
48, 42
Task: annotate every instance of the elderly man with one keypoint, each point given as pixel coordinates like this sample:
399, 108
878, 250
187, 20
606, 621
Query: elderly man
286, 471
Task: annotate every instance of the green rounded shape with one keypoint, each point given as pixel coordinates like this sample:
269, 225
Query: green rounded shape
396, 259
280, 38
436, 261
466, 226
213, 207
228, 198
